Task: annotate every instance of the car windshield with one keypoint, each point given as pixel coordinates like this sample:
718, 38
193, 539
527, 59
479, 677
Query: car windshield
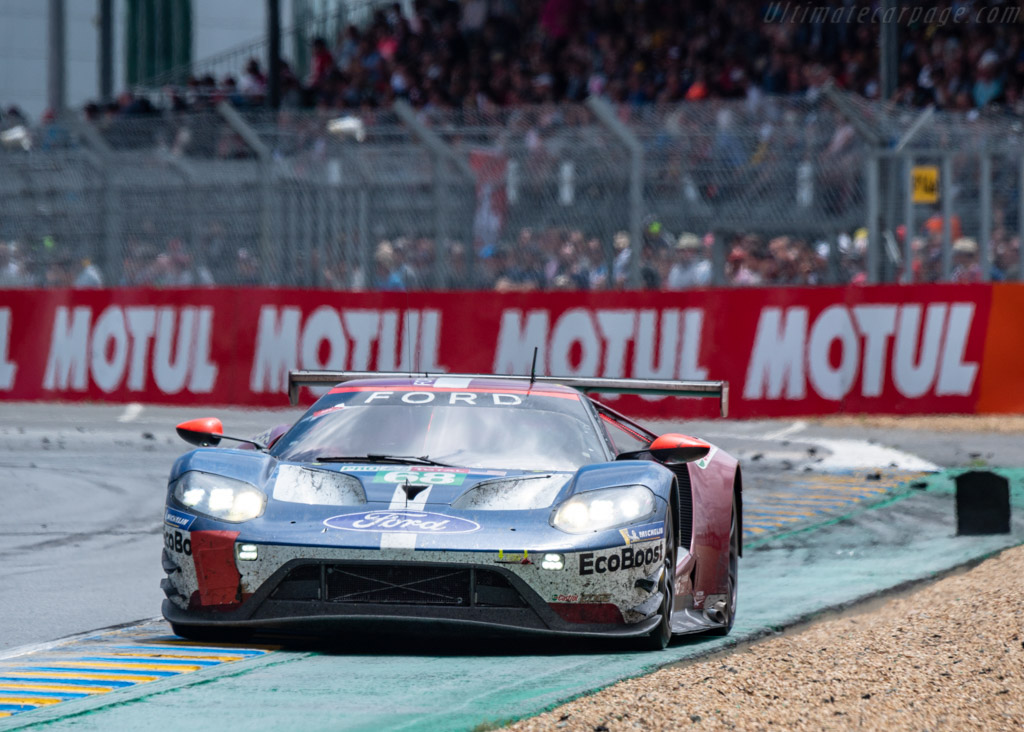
474, 429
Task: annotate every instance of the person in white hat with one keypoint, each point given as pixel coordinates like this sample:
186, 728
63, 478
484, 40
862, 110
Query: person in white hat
965, 260
690, 266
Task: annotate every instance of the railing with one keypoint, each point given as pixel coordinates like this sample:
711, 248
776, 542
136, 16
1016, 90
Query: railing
232, 61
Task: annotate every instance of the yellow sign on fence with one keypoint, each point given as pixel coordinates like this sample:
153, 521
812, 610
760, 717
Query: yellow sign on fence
925, 180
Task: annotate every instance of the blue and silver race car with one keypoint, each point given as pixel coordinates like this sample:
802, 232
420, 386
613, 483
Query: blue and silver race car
479, 502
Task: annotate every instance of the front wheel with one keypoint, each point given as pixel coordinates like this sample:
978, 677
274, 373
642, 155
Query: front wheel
659, 638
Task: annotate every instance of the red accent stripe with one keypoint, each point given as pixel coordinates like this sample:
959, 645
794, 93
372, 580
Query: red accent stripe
448, 390
624, 428
216, 573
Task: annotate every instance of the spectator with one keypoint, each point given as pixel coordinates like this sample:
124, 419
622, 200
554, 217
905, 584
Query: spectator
965, 260
387, 273
254, 82
690, 268
89, 275
456, 274
570, 265
247, 269
597, 266
742, 267
321, 66
12, 269
1007, 261
348, 46
623, 253
651, 274
57, 274
484, 53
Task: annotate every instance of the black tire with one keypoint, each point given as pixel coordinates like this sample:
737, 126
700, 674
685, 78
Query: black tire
734, 568
659, 638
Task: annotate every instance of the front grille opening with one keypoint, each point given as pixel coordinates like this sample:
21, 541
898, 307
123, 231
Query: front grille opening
453, 586
398, 585
302, 583
494, 590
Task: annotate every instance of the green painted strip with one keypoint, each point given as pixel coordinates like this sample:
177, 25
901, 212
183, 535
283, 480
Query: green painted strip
943, 483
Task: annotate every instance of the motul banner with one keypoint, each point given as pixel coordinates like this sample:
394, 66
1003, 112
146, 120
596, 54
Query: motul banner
798, 351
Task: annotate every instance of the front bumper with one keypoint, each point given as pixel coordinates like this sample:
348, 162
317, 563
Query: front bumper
308, 596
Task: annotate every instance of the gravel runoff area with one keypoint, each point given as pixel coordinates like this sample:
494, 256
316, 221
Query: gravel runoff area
947, 656
973, 423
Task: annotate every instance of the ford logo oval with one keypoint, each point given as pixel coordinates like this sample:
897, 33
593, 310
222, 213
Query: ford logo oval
402, 522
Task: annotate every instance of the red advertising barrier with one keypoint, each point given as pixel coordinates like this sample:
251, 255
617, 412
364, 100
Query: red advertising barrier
788, 351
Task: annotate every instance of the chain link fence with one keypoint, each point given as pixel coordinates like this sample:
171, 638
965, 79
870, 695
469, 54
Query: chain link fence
808, 190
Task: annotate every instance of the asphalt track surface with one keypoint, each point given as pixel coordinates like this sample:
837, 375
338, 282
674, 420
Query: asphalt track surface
80, 537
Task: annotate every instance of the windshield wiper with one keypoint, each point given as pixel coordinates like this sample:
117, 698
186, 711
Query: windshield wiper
372, 458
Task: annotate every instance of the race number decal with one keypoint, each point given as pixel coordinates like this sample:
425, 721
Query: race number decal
419, 477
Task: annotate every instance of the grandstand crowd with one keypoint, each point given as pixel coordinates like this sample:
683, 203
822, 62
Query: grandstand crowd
480, 56
551, 259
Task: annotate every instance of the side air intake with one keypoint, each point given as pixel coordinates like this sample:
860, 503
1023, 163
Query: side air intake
685, 519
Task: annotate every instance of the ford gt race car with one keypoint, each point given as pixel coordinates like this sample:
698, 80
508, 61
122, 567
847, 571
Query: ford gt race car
476, 502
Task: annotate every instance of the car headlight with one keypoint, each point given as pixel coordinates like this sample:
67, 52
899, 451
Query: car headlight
513, 494
603, 509
220, 498
296, 484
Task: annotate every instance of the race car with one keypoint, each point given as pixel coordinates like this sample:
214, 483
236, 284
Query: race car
473, 501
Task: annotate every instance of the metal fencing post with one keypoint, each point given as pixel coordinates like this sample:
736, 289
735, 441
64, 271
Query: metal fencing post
871, 177
946, 186
985, 232
355, 178
908, 217
718, 260
252, 139
908, 203
606, 116
441, 191
875, 143
110, 211
444, 155
192, 196
56, 58
363, 224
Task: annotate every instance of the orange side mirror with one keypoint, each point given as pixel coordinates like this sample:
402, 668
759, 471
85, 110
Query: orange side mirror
674, 448
203, 432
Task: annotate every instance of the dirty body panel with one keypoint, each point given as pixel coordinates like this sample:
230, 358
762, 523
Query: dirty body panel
405, 501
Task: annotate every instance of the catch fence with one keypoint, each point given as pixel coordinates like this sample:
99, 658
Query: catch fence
815, 189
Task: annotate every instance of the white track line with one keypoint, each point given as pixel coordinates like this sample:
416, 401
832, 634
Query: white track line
855, 454
841, 454
798, 426
50, 645
131, 412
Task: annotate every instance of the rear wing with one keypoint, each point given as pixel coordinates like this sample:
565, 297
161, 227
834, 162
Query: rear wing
658, 387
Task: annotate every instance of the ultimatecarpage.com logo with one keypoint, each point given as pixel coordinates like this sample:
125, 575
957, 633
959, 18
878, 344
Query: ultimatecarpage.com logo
929, 15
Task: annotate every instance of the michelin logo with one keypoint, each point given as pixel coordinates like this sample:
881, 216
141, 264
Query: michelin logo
178, 519
646, 532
